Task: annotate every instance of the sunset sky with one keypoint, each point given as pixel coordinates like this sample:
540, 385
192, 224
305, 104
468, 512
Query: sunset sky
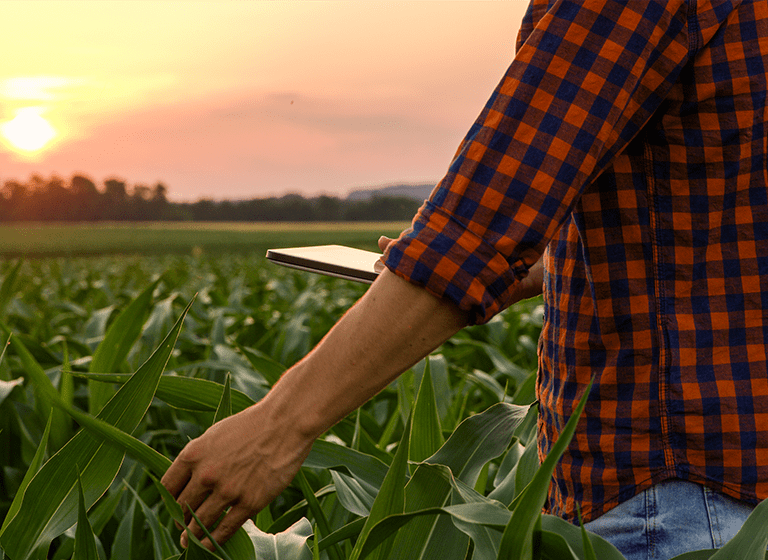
244, 99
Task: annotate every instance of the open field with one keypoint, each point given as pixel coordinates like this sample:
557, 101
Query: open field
61, 239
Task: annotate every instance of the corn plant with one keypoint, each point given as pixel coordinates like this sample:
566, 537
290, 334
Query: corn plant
129, 363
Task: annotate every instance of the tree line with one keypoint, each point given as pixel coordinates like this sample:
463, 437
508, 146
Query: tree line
81, 200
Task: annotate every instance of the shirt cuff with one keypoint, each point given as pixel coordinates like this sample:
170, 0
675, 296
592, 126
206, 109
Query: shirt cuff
450, 261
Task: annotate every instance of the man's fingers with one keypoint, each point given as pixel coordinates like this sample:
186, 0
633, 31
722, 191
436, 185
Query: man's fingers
229, 525
176, 478
208, 513
192, 498
383, 242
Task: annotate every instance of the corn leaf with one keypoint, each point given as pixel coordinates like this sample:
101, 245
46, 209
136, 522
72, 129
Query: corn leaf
477, 440
269, 369
123, 441
552, 547
186, 393
505, 489
438, 371
224, 409
751, 540
589, 551
46, 393
118, 340
197, 552
501, 362
238, 547
317, 512
99, 516
8, 287
517, 541
161, 538
426, 435
85, 540
220, 552
698, 555
480, 518
348, 531
351, 494
390, 499
34, 466
287, 545
128, 538
49, 506
366, 469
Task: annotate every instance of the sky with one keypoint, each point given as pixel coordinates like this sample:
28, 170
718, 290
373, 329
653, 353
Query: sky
235, 99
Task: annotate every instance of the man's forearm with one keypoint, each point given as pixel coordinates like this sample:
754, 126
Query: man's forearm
392, 327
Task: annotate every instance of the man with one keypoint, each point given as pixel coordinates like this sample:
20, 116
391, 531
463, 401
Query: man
624, 149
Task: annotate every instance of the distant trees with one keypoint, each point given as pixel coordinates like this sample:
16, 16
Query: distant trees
81, 199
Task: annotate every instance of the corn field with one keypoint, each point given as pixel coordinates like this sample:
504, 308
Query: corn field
110, 365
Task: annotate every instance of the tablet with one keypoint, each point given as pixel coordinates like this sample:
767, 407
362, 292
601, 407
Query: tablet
332, 260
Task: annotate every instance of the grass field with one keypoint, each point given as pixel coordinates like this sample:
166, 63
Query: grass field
57, 239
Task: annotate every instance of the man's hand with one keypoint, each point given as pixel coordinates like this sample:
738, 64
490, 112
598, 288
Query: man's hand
243, 463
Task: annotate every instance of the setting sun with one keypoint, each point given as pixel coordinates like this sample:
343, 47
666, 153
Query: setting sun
28, 131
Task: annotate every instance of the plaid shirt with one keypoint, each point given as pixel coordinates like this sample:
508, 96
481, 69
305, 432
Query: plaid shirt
626, 143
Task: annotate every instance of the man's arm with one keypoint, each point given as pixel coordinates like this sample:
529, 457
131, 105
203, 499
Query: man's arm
246, 460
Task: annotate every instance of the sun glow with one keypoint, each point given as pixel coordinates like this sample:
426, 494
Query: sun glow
28, 131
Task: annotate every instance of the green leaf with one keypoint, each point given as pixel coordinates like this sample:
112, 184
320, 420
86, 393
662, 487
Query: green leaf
121, 335
187, 393
317, 511
390, 499
504, 483
220, 551
551, 547
238, 546
34, 466
426, 435
44, 389
224, 410
123, 441
49, 506
589, 551
8, 287
698, 555
751, 540
85, 540
480, 518
161, 538
366, 469
517, 541
477, 440
348, 531
351, 494
269, 369
129, 536
501, 362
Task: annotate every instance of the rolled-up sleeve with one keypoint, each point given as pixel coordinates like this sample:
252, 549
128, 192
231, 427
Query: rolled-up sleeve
584, 82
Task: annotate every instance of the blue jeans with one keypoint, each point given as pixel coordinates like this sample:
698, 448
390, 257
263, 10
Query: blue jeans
671, 518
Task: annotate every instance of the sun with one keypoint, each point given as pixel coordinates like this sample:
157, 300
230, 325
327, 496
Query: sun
28, 131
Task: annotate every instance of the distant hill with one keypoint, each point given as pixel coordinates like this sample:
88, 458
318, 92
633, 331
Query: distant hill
418, 192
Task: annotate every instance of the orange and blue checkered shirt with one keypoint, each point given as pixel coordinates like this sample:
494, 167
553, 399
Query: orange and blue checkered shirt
627, 144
